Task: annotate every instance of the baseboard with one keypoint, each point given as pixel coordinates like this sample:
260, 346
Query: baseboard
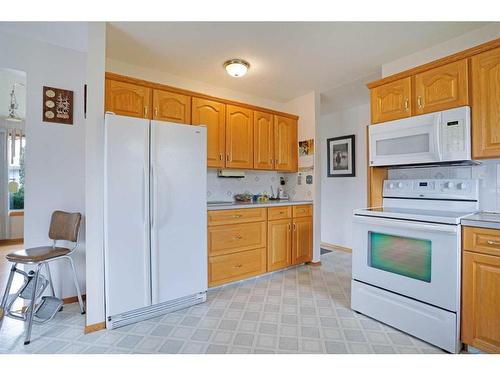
13, 241
329, 246
73, 299
95, 327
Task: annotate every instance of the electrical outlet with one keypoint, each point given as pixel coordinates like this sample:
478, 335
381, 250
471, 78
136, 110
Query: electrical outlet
309, 179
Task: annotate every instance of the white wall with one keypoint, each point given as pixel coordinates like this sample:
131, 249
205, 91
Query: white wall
307, 107
460, 43
55, 154
16, 227
341, 195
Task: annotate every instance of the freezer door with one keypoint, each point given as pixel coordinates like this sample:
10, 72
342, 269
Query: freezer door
178, 210
126, 234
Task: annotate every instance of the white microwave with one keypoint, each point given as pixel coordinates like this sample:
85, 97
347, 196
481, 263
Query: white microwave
431, 138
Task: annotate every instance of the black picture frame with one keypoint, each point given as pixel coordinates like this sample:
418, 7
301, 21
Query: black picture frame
344, 145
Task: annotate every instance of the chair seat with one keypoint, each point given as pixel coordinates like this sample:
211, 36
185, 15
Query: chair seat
36, 254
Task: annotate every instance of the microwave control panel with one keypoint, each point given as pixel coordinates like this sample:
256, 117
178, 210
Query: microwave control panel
455, 134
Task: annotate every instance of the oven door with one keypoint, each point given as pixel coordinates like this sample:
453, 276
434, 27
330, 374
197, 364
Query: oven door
414, 259
414, 140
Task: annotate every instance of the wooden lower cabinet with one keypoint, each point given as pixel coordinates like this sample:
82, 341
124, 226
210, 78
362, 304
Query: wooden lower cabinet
480, 322
247, 242
231, 267
279, 243
302, 240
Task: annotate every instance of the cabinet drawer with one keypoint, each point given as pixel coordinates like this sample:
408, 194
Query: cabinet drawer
243, 215
236, 237
481, 240
302, 210
276, 213
226, 268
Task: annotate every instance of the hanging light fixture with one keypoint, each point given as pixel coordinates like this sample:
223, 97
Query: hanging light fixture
236, 67
13, 106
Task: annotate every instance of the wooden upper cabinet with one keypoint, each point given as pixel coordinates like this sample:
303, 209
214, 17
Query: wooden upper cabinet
279, 244
391, 101
486, 105
285, 144
442, 88
239, 137
212, 114
302, 240
263, 144
128, 99
169, 106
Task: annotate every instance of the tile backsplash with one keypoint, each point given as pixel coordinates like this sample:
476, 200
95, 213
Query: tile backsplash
488, 174
256, 182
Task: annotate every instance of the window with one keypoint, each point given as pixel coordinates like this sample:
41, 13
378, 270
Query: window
15, 146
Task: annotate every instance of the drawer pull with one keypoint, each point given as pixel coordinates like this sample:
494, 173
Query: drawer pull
237, 237
282, 212
236, 216
238, 265
490, 242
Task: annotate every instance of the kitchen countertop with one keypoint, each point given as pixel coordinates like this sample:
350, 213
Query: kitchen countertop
489, 220
233, 205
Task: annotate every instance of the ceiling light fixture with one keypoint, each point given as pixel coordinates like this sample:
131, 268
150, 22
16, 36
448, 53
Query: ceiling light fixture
236, 67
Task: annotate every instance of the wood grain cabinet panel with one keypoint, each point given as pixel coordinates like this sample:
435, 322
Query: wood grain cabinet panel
127, 99
172, 107
236, 237
481, 240
212, 114
442, 88
243, 215
239, 137
302, 210
391, 101
263, 145
226, 268
486, 105
279, 254
481, 301
282, 212
302, 240
285, 144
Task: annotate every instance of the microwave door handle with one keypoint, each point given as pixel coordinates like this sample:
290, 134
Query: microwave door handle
437, 126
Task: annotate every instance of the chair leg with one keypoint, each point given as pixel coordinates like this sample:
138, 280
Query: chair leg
49, 276
75, 279
31, 308
9, 284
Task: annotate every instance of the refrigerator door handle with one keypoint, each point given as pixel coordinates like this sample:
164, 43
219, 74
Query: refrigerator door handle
152, 198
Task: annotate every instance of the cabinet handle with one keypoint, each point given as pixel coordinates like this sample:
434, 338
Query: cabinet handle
236, 216
237, 237
237, 266
227, 157
406, 104
145, 112
282, 212
220, 156
490, 242
289, 227
419, 102
156, 112
294, 227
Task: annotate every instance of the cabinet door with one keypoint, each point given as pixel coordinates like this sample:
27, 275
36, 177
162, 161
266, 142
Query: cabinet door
481, 301
279, 254
239, 137
302, 240
263, 146
169, 106
391, 101
127, 99
442, 88
212, 114
285, 144
486, 105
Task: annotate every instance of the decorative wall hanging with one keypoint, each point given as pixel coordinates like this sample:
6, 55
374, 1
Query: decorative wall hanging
341, 156
306, 155
57, 105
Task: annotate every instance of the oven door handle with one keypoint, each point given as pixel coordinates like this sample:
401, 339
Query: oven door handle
402, 224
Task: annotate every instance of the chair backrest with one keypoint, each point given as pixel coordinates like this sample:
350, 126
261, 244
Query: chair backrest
65, 226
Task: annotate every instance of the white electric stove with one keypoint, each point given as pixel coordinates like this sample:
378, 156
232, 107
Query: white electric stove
406, 257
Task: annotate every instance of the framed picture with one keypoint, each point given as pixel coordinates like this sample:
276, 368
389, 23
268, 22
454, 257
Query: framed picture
341, 158
57, 105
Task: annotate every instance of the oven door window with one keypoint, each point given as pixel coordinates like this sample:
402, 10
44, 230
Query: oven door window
410, 257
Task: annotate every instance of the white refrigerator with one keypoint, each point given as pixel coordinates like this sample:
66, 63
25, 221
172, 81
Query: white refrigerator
155, 218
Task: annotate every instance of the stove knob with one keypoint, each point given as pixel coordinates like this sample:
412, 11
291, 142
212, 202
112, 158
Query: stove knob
400, 185
391, 186
448, 185
461, 186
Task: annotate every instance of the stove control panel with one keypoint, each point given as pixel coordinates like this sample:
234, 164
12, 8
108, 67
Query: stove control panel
453, 189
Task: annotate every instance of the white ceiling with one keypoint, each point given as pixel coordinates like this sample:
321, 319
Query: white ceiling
288, 59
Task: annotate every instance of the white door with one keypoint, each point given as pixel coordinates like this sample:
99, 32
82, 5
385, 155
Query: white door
126, 234
178, 210
417, 260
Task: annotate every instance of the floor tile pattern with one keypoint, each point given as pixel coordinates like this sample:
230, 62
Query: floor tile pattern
300, 310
